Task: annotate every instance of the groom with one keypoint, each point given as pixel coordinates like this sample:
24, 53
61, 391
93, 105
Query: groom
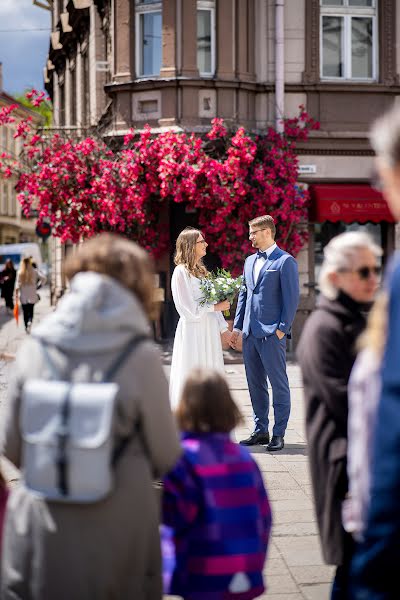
266, 308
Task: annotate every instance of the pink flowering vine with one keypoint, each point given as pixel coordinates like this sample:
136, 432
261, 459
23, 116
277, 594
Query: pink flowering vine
82, 187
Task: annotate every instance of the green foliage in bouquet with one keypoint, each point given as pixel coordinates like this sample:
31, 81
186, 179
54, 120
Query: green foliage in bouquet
220, 286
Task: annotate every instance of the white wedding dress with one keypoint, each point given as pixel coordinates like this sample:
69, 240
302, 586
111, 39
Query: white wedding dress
198, 334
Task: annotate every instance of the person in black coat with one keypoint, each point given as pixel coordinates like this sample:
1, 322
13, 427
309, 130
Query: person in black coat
7, 282
326, 353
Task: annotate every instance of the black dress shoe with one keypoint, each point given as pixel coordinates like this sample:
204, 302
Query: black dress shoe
277, 443
256, 439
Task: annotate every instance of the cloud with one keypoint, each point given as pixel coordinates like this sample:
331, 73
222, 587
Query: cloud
23, 53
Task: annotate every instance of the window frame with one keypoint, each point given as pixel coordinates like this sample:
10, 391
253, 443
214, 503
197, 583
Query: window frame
142, 9
207, 5
348, 12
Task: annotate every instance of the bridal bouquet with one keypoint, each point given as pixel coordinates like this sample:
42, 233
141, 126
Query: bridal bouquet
220, 286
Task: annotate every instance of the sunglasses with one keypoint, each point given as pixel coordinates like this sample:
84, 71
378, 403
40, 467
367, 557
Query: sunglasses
364, 273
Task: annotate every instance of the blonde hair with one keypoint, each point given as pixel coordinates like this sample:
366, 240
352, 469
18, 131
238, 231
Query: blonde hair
374, 336
26, 273
186, 252
339, 255
121, 259
264, 222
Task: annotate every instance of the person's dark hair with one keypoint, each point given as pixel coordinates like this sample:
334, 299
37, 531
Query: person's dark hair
121, 259
206, 404
9, 265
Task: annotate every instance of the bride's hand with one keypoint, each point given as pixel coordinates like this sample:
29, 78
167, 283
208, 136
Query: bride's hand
224, 305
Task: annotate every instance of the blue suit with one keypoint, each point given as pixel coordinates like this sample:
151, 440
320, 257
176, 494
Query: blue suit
264, 306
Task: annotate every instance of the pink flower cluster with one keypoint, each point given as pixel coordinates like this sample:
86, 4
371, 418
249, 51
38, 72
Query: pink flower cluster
83, 188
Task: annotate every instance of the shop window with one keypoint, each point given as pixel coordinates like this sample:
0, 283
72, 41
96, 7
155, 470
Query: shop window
206, 37
348, 40
148, 38
324, 232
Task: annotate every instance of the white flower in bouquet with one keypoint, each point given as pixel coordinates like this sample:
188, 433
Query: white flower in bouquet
220, 286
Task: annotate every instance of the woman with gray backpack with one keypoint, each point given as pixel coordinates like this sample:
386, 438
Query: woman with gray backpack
90, 426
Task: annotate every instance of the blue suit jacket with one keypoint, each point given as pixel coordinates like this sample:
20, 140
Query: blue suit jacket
271, 303
377, 561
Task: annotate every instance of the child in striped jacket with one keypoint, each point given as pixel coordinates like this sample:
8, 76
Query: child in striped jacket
215, 507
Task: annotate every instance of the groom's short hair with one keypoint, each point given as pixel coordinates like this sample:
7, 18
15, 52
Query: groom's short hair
265, 222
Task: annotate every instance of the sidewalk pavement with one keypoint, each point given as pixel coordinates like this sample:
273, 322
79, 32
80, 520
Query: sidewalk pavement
295, 569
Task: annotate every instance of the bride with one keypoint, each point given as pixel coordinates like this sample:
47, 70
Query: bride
198, 335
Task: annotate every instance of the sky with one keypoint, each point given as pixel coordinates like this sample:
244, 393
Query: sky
23, 47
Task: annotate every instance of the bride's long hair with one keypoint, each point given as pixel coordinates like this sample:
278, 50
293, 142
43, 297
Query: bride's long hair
186, 252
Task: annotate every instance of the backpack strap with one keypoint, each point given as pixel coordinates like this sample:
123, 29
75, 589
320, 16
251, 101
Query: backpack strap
121, 358
120, 447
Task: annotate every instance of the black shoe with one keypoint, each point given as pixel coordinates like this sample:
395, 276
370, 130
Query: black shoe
277, 443
256, 438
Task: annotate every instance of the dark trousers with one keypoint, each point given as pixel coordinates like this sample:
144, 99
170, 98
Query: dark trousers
341, 583
8, 299
266, 358
27, 309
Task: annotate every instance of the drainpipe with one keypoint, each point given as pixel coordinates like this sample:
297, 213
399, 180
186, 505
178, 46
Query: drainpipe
279, 63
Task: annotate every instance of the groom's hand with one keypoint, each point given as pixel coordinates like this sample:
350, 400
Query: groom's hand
280, 334
226, 339
234, 339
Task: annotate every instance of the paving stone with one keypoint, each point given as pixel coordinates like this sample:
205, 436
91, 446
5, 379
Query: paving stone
300, 551
282, 517
313, 574
281, 584
276, 566
295, 529
321, 591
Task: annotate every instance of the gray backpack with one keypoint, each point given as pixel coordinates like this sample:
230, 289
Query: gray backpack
68, 451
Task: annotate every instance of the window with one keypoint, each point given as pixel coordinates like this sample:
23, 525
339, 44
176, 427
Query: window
4, 138
206, 37
12, 200
349, 39
148, 37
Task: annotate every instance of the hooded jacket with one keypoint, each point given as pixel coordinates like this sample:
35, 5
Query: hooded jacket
108, 549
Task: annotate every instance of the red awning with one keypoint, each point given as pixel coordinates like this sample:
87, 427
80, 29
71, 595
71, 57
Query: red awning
348, 203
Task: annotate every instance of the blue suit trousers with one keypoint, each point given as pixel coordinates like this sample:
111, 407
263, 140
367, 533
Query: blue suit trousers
266, 358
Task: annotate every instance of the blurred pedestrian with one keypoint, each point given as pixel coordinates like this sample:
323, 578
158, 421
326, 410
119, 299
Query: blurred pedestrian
110, 548
197, 340
26, 290
326, 353
7, 282
214, 500
376, 562
364, 391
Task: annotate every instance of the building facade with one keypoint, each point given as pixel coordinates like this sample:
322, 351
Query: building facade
14, 226
117, 64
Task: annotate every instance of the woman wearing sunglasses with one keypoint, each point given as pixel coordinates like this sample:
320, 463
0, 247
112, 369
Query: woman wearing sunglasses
326, 353
198, 335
